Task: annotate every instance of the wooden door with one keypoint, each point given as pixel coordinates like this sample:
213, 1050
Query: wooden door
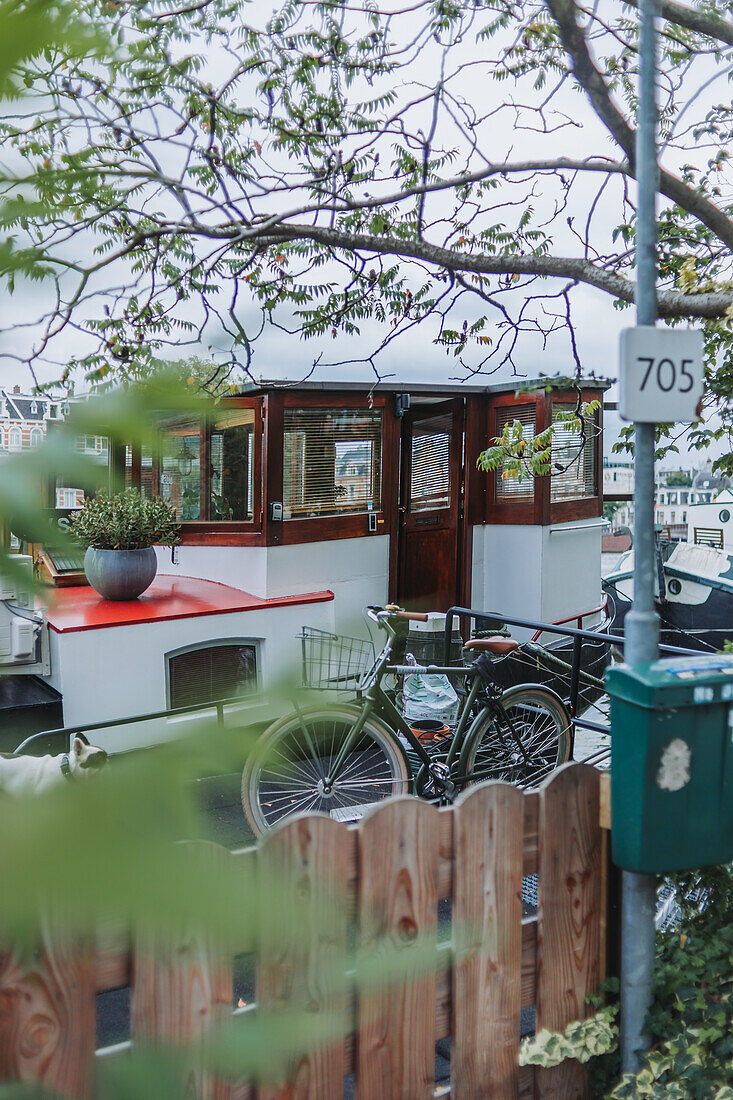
430, 506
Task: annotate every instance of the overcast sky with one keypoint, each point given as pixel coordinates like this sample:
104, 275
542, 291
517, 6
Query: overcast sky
415, 357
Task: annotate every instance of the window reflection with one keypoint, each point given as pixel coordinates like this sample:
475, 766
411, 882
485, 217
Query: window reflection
180, 467
231, 460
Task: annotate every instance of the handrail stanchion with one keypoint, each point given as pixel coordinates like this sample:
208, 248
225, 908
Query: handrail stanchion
448, 634
575, 675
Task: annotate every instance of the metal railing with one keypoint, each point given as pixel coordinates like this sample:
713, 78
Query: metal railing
578, 637
175, 712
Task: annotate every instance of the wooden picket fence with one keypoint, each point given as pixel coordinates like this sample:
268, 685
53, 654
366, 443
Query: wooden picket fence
393, 868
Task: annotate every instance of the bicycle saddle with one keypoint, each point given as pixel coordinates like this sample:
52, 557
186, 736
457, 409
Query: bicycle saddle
498, 645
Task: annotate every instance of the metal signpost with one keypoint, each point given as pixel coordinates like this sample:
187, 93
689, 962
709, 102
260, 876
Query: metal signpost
661, 381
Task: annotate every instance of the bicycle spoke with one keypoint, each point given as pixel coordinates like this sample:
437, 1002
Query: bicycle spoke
293, 771
531, 747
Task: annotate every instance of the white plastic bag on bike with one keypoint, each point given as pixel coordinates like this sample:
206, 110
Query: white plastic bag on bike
428, 695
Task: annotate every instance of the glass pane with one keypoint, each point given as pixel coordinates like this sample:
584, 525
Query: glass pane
512, 488
231, 493
332, 460
573, 457
180, 467
430, 474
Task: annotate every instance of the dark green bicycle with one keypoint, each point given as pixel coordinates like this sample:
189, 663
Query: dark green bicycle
342, 758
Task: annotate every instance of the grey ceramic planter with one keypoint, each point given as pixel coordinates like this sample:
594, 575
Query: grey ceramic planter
120, 574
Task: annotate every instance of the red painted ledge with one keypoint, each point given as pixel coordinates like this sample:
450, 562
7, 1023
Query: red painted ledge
169, 597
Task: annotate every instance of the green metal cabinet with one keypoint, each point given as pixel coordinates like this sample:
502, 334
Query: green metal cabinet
672, 763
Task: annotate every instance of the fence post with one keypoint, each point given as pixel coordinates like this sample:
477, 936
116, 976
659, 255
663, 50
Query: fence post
488, 844
570, 914
303, 875
182, 985
398, 913
47, 1016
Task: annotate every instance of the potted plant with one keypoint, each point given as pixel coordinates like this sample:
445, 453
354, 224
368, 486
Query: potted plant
119, 532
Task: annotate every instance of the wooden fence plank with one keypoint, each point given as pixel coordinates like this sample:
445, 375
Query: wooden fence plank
47, 1016
398, 908
487, 938
182, 985
569, 918
304, 871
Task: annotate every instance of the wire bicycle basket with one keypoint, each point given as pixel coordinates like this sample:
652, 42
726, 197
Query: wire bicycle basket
333, 662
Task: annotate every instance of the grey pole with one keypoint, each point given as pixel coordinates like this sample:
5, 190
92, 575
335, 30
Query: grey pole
642, 623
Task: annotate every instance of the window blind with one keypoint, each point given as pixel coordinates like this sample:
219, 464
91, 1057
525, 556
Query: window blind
211, 673
575, 451
430, 472
331, 461
514, 488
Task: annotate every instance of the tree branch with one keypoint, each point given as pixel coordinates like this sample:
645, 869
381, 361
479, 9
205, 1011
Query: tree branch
712, 26
671, 303
564, 12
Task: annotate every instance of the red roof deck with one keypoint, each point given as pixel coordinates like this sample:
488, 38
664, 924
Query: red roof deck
169, 597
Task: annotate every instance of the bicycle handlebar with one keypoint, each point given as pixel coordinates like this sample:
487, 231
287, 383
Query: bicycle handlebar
413, 616
382, 615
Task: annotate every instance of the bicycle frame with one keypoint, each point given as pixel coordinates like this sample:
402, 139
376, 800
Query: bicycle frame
376, 701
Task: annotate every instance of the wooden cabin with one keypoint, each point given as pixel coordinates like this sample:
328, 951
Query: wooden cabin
375, 493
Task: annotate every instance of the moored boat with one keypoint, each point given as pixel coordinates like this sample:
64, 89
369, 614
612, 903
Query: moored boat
694, 594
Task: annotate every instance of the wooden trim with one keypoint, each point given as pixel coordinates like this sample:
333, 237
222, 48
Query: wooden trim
300, 399
204, 470
543, 484
272, 466
508, 512
216, 533
562, 511
329, 528
325, 528
543, 511
391, 490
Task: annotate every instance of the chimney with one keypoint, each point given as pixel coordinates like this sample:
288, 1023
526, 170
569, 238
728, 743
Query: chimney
16, 389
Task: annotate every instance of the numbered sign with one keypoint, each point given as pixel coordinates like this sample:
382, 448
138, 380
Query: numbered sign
661, 377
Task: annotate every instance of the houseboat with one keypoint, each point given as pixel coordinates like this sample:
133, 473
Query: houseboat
299, 505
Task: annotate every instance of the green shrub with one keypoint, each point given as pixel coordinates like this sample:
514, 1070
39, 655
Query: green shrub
125, 521
691, 1019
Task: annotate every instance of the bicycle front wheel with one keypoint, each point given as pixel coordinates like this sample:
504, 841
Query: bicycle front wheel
522, 748
290, 763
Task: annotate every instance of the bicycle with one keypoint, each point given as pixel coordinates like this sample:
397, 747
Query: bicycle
342, 758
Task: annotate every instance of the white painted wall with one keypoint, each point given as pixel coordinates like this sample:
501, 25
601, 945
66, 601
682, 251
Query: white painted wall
243, 567
120, 671
571, 568
540, 573
506, 575
355, 570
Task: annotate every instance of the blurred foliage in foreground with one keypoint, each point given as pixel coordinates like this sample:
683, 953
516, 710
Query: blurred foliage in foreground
106, 852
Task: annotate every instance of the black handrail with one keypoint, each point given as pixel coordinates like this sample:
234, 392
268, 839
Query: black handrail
174, 712
578, 635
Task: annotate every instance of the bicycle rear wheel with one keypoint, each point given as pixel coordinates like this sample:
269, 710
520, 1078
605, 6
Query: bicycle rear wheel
286, 771
539, 720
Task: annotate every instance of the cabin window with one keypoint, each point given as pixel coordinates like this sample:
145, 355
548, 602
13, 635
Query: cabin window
180, 467
430, 466
331, 461
573, 457
231, 488
205, 469
510, 489
219, 670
